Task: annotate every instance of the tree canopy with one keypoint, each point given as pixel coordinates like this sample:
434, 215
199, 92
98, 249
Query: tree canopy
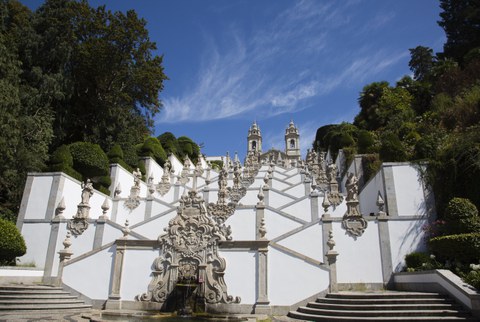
69, 73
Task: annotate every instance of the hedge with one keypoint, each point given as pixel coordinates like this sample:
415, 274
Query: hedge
152, 148
12, 243
464, 248
461, 216
89, 159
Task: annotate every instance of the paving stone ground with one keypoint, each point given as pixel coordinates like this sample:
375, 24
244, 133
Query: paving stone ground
44, 316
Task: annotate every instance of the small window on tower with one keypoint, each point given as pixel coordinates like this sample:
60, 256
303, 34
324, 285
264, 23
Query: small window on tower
254, 145
292, 144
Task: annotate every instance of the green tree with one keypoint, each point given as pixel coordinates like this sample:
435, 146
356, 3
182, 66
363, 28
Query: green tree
421, 62
461, 21
25, 115
111, 76
369, 100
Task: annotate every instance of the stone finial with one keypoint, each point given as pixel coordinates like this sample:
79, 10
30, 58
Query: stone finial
60, 208
118, 190
261, 196
326, 202
126, 230
105, 207
313, 184
330, 241
151, 185
67, 241
380, 204
66, 253
262, 230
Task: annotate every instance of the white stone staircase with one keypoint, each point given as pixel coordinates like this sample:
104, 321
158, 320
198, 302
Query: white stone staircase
38, 298
382, 306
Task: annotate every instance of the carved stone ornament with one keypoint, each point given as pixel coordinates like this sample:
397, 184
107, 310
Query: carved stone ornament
221, 210
164, 185
237, 191
189, 255
133, 200
334, 196
79, 223
185, 172
353, 222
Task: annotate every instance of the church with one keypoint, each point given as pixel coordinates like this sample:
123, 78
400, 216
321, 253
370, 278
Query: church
288, 158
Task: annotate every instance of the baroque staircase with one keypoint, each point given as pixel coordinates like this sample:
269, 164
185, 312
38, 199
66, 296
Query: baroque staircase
38, 298
382, 306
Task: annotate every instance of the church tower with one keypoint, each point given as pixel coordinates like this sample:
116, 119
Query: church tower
292, 144
254, 139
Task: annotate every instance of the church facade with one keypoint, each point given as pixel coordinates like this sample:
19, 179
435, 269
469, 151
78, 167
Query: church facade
290, 157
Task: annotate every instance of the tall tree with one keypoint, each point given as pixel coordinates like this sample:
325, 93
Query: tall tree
461, 21
421, 62
25, 114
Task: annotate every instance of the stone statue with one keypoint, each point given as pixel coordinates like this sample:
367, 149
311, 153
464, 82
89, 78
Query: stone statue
87, 191
137, 176
352, 187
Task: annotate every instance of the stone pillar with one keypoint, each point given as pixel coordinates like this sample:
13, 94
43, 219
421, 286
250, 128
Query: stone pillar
332, 264
55, 195
314, 205
326, 228
206, 194
65, 255
307, 183
262, 303
176, 190
385, 250
52, 244
100, 226
114, 296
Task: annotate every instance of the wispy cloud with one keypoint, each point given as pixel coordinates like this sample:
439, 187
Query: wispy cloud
270, 72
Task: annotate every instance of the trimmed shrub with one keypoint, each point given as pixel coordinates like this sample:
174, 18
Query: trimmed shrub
473, 278
461, 216
62, 160
12, 243
416, 260
89, 159
115, 154
152, 148
463, 248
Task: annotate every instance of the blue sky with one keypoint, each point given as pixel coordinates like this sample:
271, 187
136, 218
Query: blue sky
233, 62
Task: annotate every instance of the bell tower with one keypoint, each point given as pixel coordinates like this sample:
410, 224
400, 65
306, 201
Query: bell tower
254, 139
292, 144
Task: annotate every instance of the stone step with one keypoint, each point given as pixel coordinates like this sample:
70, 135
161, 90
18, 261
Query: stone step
314, 317
36, 307
36, 296
41, 301
375, 306
382, 306
374, 313
29, 291
390, 300
384, 295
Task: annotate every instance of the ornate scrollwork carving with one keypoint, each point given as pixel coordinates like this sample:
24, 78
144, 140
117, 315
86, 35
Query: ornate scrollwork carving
164, 185
189, 254
353, 222
133, 200
79, 223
